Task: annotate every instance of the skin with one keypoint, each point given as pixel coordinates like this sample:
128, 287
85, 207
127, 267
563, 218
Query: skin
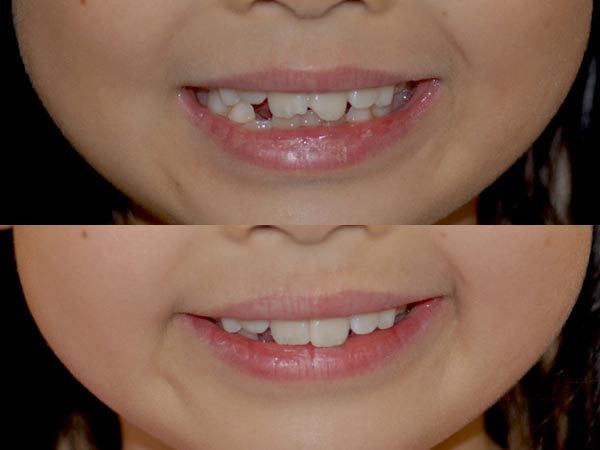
107, 300
109, 74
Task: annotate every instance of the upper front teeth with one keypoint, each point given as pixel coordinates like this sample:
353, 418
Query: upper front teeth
328, 107
319, 332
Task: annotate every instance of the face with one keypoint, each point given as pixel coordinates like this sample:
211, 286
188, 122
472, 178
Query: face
129, 87
131, 312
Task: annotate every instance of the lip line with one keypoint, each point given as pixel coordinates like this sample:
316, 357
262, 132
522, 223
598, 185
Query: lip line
343, 78
290, 306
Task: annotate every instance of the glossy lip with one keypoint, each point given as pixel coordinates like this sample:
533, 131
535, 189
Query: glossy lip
290, 80
359, 355
312, 149
300, 307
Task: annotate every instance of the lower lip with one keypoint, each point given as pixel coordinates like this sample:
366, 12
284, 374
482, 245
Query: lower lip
312, 149
360, 354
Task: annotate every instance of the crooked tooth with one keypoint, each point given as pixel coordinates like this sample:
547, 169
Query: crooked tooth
292, 332
242, 112
363, 98
358, 114
229, 96
364, 323
255, 326
231, 325
286, 105
386, 319
254, 98
386, 94
215, 104
329, 332
329, 106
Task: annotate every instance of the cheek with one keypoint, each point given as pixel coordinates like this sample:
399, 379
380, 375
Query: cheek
92, 297
515, 292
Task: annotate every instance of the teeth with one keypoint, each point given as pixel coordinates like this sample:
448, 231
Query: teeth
358, 114
282, 123
216, 104
365, 98
329, 332
380, 111
385, 97
386, 319
254, 98
255, 326
364, 323
330, 106
287, 105
295, 110
229, 96
310, 119
319, 332
231, 325
242, 112
293, 332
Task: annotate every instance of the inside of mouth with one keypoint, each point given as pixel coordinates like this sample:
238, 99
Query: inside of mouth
264, 119
268, 337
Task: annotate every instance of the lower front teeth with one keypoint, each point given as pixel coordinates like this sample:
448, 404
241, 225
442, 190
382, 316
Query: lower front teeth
318, 332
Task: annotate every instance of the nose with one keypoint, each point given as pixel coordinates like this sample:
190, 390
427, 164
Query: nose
302, 234
308, 9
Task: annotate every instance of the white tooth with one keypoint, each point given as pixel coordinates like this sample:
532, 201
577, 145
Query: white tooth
254, 98
364, 323
282, 123
292, 332
229, 96
329, 332
283, 104
358, 114
330, 106
258, 125
248, 334
363, 98
385, 96
310, 119
231, 325
242, 112
386, 319
255, 326
216, 105
380, 111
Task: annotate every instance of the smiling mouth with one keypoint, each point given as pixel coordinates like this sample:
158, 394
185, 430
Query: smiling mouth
259, 110
300, 121
327, 332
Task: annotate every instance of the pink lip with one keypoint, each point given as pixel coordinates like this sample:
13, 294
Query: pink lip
288, 80
312, 149
358, 355
300, 307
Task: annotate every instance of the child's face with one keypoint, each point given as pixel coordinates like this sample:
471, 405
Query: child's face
111, 74
115, 305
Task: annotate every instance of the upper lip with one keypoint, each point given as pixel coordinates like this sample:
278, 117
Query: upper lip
300, 307
307, 81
